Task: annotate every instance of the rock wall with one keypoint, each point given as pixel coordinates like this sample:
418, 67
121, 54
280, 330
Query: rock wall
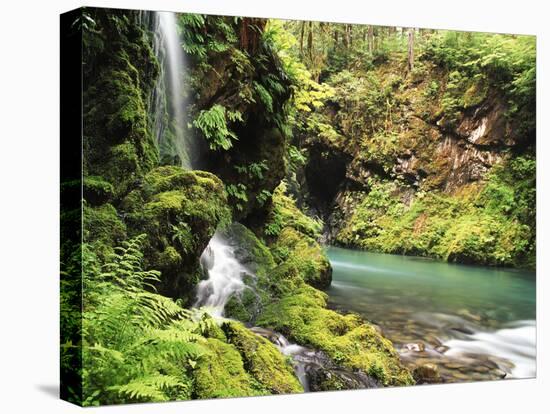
398, 133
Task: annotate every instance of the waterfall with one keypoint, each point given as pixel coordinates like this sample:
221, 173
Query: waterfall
224, 276
225, 279
169, 100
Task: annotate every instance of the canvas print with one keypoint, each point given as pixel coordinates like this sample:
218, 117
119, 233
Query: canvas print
255, 206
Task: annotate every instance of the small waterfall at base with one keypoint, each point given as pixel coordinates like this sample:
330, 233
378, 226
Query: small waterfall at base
169, 100
224, 276
313, 367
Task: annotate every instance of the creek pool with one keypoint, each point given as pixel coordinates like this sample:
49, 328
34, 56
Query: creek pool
473, 322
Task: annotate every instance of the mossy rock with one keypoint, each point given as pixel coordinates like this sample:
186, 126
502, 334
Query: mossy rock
118, 79
263, 360
284, 213
349, 341
244, 306
220, 373
248, 249
306, 255
256, 257
179, 210
103, 227
97, 190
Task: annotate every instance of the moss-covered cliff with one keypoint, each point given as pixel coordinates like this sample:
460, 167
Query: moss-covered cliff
436, 161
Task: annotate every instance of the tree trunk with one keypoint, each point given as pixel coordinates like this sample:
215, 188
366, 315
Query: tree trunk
310, 42
411, 50
346, 30
371, 39
302, 39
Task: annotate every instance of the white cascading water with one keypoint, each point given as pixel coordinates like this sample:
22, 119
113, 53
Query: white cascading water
515, 343
225, 279
170, 96
224, 276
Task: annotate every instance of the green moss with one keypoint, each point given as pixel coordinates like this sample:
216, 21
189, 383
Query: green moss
180, 211
97, 190
263, 360
103, 227
305, 254
293, 240
490, 223
349, 341
220, 373
249, 250
284, 213
118, 79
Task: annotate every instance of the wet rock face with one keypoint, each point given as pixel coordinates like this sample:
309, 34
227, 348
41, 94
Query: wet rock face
488, 126
316, 370
460, 162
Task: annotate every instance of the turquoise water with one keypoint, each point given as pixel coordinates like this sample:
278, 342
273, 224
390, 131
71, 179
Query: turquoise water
459, 317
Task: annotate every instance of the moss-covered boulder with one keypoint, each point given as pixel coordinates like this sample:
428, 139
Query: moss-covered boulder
349, 341
103, 227
248, 249
220, 373
240, 363
293, 240
263, 360
120, 69
179, 210
306, 255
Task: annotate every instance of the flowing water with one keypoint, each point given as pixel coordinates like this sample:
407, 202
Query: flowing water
225, 279
473, 322
225, 275
169, 100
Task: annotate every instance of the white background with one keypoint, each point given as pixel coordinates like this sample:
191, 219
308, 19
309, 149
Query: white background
29, 158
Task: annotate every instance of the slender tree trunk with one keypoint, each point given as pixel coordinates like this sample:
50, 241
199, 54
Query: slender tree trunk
302, 38
371, 39
348, 37
310, 42
411, 50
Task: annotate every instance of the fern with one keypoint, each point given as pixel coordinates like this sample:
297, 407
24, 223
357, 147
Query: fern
213, 125
265, 96
149, 388
238, 193
137, 345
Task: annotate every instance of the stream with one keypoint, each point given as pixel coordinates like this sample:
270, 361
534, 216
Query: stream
472, 322
225, 278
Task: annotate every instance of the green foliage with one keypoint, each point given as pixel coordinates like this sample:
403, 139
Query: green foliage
368, 103
182, 233
213, 123
137, 345
237, 192
494, 224
264, 95
303, 317
284, 213
506, 62
253, 170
